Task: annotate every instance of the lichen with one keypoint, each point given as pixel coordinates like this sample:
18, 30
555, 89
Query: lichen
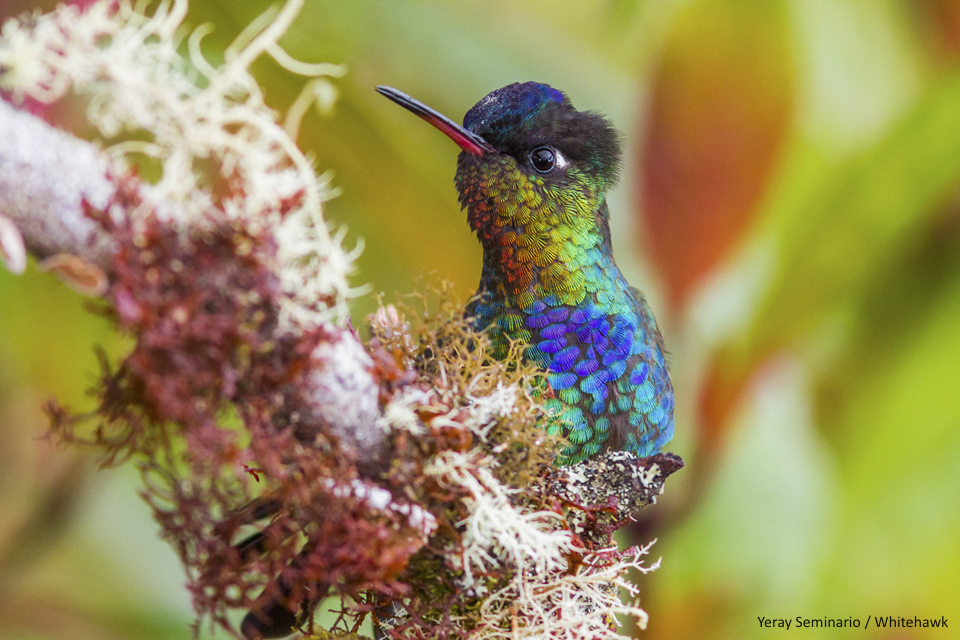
154, 107
515, 553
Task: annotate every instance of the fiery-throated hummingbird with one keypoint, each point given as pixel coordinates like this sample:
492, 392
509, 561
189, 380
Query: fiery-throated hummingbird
533, 175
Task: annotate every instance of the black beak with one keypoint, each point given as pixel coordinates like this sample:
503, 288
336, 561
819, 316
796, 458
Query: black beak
466, 140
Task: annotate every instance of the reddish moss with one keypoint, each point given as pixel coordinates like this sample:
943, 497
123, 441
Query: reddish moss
246, 481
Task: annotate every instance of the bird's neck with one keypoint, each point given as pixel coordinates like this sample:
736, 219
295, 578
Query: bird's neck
547, 253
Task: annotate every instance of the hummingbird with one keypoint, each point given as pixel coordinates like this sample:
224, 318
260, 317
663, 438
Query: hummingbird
533, 175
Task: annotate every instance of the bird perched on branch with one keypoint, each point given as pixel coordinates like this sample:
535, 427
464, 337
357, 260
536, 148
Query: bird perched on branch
533, 176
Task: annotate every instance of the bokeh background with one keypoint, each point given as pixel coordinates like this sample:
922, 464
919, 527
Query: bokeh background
790, 203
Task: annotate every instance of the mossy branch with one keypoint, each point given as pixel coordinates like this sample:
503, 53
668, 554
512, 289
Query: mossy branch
284, 459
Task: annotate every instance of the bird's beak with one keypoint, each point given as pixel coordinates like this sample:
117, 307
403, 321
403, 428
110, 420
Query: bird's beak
466, 140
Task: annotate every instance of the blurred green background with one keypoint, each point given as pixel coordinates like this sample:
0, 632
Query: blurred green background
790, 203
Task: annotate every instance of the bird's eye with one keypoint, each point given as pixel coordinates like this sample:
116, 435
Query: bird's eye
543, 159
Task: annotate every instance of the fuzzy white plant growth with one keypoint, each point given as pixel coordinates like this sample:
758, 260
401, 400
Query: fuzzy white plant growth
184, 113
583, 605
496, 533
545, 596
485, 409
400, 413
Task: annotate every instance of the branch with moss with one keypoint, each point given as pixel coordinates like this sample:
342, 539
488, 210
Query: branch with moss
285, 460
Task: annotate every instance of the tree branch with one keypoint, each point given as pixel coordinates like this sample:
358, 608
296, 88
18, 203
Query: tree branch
49, 180
45, 177
418, 467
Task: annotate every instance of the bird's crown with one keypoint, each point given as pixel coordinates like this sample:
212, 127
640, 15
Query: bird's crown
522, 117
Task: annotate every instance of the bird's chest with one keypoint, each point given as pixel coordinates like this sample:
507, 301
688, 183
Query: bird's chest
583, 348
603, 363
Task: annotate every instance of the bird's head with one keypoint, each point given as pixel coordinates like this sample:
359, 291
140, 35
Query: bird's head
533, 176
527, 154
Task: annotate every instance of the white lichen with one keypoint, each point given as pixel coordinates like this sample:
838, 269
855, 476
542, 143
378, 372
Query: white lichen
379, 499
400, 413
496, 533
345, 394
545, 596
486, 409
154, 107
580, 605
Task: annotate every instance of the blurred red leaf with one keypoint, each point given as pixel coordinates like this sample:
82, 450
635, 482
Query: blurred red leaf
719, 396
719, 107
941, 18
